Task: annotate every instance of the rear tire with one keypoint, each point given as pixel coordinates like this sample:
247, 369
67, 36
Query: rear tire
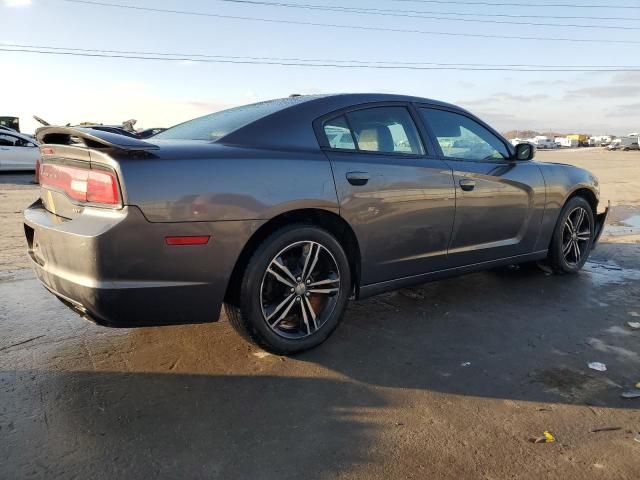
294, 290
573, 237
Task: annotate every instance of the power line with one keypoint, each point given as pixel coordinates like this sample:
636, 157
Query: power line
475, 14
248, 61
181, 56
504, 4
422, 14
354, 27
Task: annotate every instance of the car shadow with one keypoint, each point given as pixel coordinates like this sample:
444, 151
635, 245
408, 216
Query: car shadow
142, 425
514, 333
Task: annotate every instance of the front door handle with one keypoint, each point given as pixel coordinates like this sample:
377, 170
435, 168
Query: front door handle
467, 184
357, 178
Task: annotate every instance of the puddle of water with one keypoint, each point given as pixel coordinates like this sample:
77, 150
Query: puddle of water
620, 230
610, 274
620, 331
632, 221
626, 221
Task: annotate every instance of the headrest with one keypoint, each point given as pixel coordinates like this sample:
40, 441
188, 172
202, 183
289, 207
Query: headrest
376, 138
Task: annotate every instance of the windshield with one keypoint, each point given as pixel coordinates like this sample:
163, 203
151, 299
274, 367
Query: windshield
216, 125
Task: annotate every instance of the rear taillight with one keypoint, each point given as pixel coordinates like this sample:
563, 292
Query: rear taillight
102, 187
83, 185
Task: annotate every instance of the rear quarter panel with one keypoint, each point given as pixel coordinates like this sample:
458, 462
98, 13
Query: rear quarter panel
227, 183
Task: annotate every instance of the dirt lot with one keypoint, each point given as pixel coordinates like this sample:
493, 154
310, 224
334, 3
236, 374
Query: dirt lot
447, 380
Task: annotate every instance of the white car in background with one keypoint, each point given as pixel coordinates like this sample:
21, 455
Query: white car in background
17, 151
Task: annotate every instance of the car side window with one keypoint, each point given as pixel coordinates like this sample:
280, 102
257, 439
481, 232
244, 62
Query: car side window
7, 140
385, 130
338, 134
463, 138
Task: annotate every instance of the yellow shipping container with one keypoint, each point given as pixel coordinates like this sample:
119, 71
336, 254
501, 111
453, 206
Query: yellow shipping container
578, 137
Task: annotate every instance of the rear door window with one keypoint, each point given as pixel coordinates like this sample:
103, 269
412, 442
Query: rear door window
338, 134
385, 130
376, 129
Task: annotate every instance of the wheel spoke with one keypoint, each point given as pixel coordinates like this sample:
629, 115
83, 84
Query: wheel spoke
569, 224
576, 250
311, 312
584, 236
282, 304
580, 219
285, 270
304, 318
280, 278
307, 274
284, 313
567, 248
323, 282
325, 291
306, 260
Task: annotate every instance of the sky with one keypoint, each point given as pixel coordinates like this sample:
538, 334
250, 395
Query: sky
63, 89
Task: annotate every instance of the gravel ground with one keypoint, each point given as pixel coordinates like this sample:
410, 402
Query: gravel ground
419, 383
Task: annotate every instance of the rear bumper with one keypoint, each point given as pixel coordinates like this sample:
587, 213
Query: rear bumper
115, 268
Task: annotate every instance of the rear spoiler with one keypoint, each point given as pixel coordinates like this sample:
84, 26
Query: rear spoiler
91, 138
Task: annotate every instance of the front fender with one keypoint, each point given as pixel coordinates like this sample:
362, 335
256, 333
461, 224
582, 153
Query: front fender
562, 182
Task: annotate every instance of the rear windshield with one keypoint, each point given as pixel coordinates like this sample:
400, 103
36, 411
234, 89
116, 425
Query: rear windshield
217, 125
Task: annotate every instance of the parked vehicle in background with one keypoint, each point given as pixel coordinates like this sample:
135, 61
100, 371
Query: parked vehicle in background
10, 122
18, 151
111, 129
601, 140
149, 132
263, 209
566, 142
541, 142
624, 144
583, 140
125, 129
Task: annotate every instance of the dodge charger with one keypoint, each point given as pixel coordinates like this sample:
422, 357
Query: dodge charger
282, 211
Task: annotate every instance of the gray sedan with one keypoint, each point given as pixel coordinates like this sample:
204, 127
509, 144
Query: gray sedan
283, 210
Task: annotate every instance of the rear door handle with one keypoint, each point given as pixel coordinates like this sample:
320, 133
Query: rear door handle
467, 185
357, 178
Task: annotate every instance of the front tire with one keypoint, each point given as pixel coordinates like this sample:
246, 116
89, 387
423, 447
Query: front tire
294, 290
573, 237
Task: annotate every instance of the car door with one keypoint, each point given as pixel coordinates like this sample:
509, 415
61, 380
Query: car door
398, 197
499, 200
17, 153
6, 150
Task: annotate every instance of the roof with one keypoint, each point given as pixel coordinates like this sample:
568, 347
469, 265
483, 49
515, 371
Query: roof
291, 126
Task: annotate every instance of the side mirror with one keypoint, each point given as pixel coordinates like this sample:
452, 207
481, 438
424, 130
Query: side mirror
525, 151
